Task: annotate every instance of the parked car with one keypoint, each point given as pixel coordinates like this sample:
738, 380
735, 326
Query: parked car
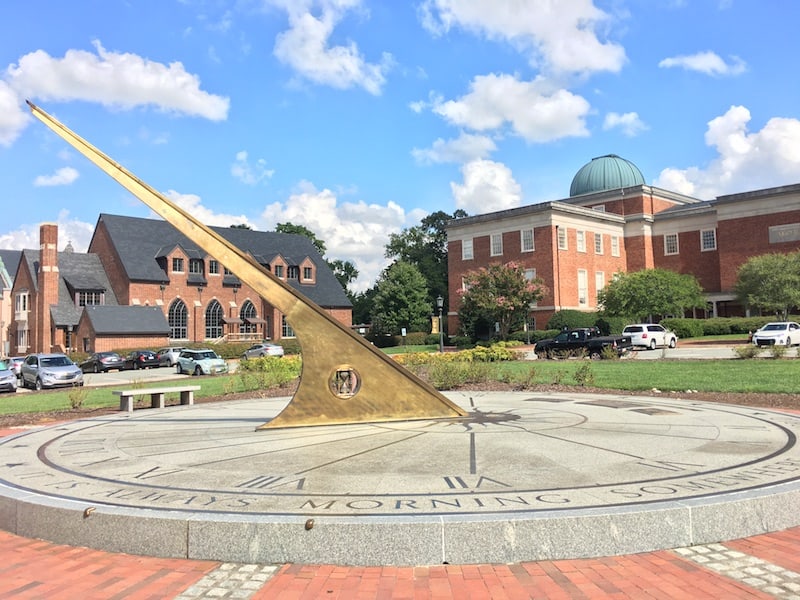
650, 335
168, 357
102, 362
582, 340
15, 364
264, 349
201, 362
41, 371
8, 379
141, 359
780, 333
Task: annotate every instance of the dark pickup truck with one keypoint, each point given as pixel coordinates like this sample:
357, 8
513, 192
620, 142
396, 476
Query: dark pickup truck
586, 340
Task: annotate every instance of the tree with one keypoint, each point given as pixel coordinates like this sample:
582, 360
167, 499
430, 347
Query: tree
642, 294
345, 272
302, 230
401, 300
498, 294
770, 282
425, 246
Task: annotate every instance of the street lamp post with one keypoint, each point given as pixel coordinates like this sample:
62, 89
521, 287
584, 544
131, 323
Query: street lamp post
440, 305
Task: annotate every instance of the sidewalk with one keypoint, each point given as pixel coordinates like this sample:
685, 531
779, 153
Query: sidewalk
760, 567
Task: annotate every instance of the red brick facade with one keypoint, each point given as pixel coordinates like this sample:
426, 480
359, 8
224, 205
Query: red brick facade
624, 231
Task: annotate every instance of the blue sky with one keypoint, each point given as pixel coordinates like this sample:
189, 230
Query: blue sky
356, 118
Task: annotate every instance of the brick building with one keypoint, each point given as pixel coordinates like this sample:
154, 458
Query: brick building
612, 222
144, 284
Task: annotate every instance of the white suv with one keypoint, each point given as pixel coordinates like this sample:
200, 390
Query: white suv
649, 335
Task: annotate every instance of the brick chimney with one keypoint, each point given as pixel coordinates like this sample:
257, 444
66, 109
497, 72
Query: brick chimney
48, 285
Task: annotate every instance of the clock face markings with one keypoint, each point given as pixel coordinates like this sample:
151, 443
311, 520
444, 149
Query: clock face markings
512, 453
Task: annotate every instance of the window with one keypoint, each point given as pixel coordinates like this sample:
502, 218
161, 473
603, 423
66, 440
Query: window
213, 267
526, 240
22, 338
195, 266
671, 243
248, 315
279, 271
177, 265
580, 241
598, 243
293, 272
466, 249
497, 244
599, 281
562, 238
213, 320
614, 245
308, 274
21, 302
583, 287
599, 207
286, 329
708, 240
530, 274
89, 298
178, 317
226, 271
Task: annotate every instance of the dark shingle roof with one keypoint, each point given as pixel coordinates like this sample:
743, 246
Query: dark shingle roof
83, 272
11, 260
127, 320
140, 241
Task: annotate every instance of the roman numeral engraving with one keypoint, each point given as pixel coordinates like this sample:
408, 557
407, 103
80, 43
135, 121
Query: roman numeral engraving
457, 482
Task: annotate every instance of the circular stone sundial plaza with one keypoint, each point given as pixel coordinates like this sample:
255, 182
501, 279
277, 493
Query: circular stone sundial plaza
525, 476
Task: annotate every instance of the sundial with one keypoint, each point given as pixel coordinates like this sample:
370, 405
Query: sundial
367, 464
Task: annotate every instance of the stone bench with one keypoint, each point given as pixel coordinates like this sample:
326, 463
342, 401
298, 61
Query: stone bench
156, 395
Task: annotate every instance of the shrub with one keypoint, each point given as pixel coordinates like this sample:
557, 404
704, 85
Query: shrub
77, 396
584, 375
748, 351
777, 351
268, 372
684, 328
571, 319
612, 325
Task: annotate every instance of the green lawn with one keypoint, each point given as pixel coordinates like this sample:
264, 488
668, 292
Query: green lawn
759, 375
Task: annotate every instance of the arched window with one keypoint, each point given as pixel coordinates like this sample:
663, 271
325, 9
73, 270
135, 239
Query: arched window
248, 315
178, 318
213, 320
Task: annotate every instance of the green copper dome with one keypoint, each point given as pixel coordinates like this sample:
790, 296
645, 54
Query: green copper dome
609, 172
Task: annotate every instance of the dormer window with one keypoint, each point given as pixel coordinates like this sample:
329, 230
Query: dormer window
87, 298
293, 273
195, 266
177, 265
279, 271
308, 274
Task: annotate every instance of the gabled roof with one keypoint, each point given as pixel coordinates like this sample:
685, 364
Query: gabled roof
83, 272
140, 241
11, 260
127, 320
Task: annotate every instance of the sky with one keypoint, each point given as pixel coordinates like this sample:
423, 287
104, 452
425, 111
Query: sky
356, 118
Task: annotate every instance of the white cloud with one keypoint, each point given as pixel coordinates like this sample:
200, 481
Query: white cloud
745, 161
250, 174
558, 36
488, 186
707, 62
62, 176
629, 123
464, 148
530, 108
193, 204
13, 118
306, 48
78, 233
354, 231
114, 79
